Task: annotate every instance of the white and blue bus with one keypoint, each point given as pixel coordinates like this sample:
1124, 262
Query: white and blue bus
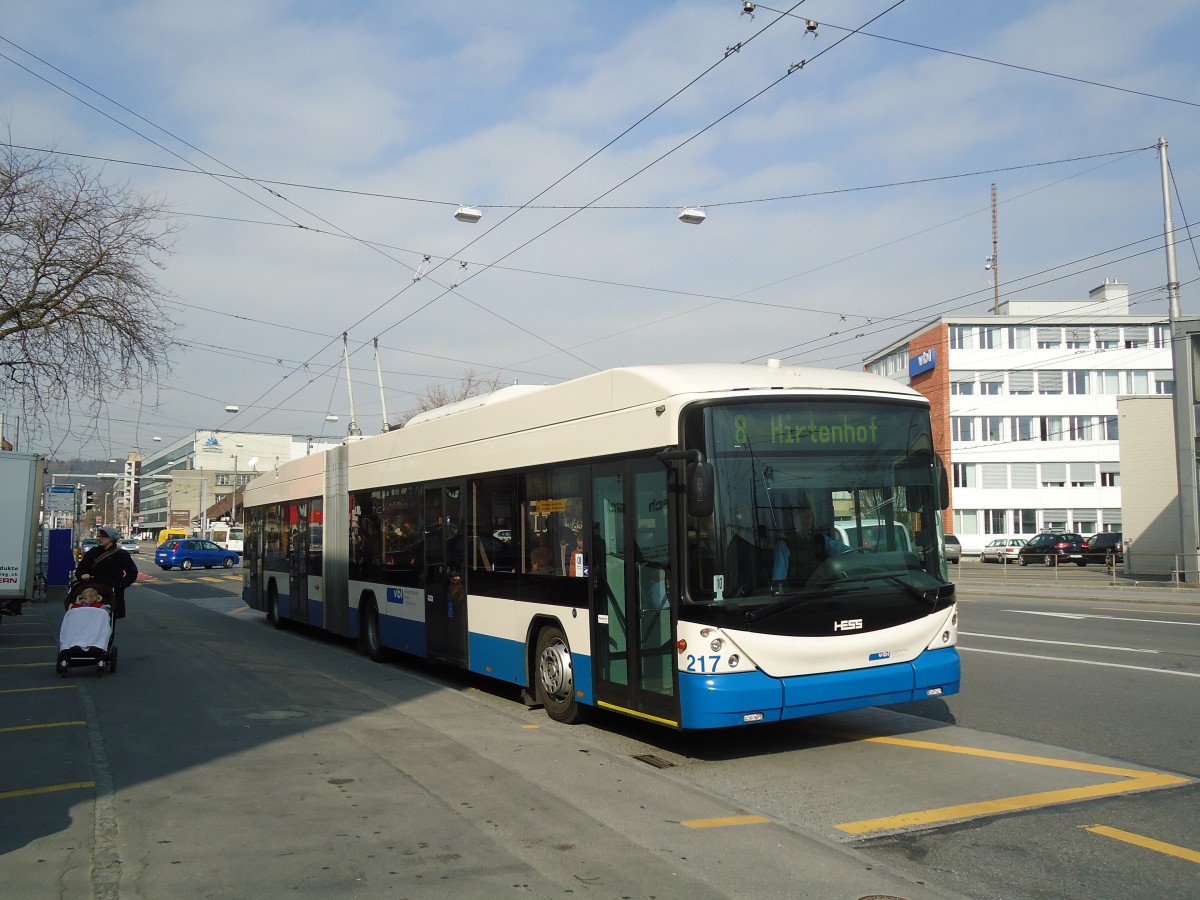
617, 541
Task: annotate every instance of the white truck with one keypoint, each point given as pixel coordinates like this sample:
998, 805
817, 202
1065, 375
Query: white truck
21, 477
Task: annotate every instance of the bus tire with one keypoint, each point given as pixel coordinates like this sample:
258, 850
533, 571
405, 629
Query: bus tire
273, 615
370, 642
555, 677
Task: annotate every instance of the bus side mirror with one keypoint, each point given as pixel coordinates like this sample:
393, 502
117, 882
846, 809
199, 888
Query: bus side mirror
699, 489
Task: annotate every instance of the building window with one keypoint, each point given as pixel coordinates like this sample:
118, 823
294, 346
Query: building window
995, 521
1138, 381
1081, 428
1025, 521
964, 475
1049, 338
962, 388
1052, 428
966, 521
1085, 526
1108, 427
1110, 479
1077, 382
224, 480
962, 337
1018, 337
1108, 382
1050, 381
245, 479
992, 428
1020, 382
962, 428
989, 337
1025, 429
1162, 336
991, 386
1164, 383
1056, 524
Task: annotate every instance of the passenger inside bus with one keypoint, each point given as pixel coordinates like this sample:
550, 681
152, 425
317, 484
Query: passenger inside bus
802, 548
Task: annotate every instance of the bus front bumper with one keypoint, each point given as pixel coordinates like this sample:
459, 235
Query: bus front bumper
719, 701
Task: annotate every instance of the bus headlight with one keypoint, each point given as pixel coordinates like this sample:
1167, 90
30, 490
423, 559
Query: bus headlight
733, 660
716, 645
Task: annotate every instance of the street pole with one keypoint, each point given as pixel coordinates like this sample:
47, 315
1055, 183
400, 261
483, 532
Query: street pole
1183, 364
233, 496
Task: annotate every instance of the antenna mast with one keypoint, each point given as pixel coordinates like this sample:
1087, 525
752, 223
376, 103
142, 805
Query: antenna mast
379, 375
353, 430
995, 257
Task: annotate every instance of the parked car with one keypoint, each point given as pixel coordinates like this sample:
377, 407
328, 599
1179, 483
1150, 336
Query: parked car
193, 552
88, 544
951, 548
1053, 549
129, 545
1002, 550
1103, 545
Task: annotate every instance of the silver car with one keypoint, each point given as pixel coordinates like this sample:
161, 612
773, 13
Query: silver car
951, 548
1002, 550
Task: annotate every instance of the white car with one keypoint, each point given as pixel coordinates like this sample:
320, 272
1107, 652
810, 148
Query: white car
1002, 550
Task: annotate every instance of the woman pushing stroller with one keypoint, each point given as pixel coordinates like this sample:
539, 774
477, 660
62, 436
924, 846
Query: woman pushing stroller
108, 562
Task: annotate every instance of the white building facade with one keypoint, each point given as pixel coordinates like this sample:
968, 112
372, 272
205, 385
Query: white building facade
181, 482
1025, 408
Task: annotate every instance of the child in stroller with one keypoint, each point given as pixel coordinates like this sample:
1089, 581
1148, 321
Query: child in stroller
86, 636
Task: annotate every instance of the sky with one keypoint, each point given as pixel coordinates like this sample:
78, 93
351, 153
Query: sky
313, 156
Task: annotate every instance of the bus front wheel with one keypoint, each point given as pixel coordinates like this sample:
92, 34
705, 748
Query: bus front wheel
556, 677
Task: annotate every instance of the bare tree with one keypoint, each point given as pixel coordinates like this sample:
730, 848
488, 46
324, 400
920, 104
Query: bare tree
470, 385
81, 315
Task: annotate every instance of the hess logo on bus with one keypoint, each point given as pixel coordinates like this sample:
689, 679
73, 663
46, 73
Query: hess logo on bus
848, 625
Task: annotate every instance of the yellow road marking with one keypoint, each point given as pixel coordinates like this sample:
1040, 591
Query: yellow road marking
1148, 843
48, 789
57, 687
35, 727
240, 610
1135, 780
36, 665
724, 821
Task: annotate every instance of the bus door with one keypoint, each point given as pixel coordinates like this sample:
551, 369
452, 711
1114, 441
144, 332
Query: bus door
252, 563
445, 589
298, 562
633, 647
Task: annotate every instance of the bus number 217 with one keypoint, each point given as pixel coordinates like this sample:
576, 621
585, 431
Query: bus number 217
702, 663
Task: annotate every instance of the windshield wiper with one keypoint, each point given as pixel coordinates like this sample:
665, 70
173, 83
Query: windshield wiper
796, 600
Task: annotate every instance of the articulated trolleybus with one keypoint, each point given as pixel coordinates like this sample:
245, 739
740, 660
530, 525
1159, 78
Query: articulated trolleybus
699, 545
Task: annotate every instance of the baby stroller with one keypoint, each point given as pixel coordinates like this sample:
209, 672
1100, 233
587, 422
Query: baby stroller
87, 636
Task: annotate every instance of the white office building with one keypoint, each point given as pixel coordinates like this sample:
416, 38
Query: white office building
1025, 408
197, 477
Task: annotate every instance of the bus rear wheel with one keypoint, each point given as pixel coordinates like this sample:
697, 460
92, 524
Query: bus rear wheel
370, 642
273, 616
556, 677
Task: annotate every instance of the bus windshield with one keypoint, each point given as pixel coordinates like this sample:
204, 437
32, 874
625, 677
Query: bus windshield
813, 497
